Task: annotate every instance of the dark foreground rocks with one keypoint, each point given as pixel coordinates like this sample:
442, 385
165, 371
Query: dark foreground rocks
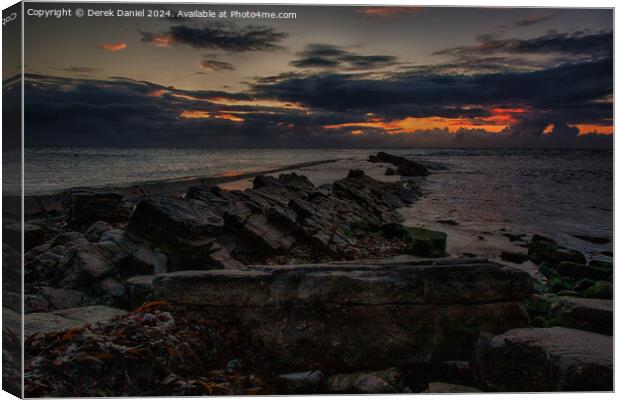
359, 316
546, 359
86, 206
595, 315
333, 328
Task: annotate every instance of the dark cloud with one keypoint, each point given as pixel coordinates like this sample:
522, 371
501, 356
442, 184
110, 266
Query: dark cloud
216, 65
124, 112
557, 87
329, 56
221, 36
591, 45
567, 94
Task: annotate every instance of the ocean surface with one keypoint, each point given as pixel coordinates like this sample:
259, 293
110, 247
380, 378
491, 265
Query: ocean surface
555, 192
50, 170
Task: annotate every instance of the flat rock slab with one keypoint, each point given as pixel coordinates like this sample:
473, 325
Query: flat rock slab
425, 282
341, 317
66, 319
595, 315
546, 359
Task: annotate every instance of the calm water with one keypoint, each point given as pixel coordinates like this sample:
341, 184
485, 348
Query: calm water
52, 170
556, 192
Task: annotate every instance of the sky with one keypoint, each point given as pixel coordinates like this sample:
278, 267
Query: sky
339, 76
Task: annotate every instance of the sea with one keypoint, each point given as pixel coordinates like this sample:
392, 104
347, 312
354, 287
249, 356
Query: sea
561, 193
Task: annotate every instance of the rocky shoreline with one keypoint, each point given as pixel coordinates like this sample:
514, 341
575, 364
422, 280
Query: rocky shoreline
289, 288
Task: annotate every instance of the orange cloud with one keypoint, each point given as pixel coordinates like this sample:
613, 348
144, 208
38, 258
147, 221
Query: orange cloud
157, 93
592, 128
193, 114
388, 11
196, 114
162, 40
113, 47
258, 103
500, 119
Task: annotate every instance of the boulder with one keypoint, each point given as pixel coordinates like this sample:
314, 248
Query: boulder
352, 315
60, 298
593, 315
86, 264
545, 250
184, 230
84, 207
97, 229
545, 360
405, 167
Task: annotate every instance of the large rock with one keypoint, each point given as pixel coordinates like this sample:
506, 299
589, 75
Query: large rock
61, 320
359, 315
87, 206
545, 250
184, 230
405, 167
70, 260
594, 315
546, 359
